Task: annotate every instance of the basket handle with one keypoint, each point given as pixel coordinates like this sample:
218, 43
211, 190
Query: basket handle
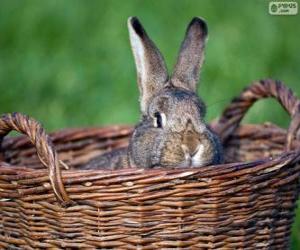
44, 148
235, 112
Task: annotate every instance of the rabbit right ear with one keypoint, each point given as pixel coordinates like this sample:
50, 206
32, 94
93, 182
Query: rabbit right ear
191, 56
151, 69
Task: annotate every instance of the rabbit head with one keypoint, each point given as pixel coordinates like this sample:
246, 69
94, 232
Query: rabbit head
172, 130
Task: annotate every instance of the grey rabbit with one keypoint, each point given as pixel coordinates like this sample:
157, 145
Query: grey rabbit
172, 131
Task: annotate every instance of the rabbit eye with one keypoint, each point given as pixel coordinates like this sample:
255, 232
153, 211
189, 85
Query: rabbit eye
160, 120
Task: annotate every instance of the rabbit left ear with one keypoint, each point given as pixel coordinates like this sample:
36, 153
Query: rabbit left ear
151, 68
191, 56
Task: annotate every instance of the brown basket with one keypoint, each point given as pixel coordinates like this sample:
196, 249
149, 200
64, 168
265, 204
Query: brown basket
245, 205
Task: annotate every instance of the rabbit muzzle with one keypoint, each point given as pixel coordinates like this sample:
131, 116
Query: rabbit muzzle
188, 148
194, 147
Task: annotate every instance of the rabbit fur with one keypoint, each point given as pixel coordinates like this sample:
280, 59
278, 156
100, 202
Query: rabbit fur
172, 131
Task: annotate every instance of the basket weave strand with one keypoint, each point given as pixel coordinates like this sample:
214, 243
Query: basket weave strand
44, 147
233, 114
247, 203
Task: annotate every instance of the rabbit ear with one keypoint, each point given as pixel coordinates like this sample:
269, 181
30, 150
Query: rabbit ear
151, 69
191, 56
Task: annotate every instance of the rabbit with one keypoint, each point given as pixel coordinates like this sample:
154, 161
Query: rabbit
172, 131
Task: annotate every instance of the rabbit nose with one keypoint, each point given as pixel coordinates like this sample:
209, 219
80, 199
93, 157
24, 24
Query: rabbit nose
190, 139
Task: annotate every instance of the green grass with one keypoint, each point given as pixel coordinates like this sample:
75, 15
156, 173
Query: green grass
69, 63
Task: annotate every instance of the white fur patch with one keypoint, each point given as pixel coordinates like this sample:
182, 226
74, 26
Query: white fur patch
193, 161
139, 56
197, 159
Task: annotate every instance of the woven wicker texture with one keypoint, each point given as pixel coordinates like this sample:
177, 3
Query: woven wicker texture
247, 203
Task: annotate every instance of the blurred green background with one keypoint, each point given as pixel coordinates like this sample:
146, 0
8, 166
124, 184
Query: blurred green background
69, 63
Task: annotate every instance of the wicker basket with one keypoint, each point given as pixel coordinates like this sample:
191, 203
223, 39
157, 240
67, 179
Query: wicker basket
247, 203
